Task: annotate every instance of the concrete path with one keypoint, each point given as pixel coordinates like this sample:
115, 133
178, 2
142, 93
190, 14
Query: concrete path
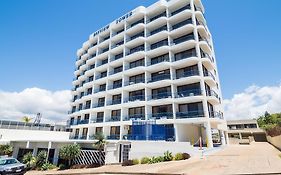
257, 158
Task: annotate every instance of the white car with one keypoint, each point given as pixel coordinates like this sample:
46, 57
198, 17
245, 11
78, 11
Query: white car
11, 166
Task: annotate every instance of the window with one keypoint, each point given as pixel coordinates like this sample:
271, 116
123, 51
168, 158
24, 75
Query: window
158, 16
116, 99
116, 113
187, 71
137, 22
137, 49
100, 117
87, 117
114, 130
183, 23
89, 91
164, 111
137, 79
160, 93
84, 132
106, 38
101, 102
184, 38
81, 94
120, 31
80, 106
159, 44
185, 54
118, 56
102, 87
98, 130
104, 61
117, 84
160, 59
158, 30
138, 112
88, 104
189, 90
137, 95
118, 69
137, 63
181, 9
103, 74
191, 110
141, 34
162, 75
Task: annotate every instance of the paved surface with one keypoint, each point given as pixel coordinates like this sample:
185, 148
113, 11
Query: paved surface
257, 158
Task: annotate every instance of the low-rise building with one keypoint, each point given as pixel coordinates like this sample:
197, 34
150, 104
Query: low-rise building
242, 130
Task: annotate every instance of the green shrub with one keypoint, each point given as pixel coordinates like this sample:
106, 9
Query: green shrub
47, 166
128, 163
136, 161
185, 156
29, 160
168, 156
145, 160
154, 159
41, 159
62, 167
6, 150
178, 156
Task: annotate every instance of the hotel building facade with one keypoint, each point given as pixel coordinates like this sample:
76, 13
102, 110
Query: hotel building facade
150, 75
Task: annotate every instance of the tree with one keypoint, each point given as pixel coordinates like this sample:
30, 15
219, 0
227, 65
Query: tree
100, 144
26, 119
69, 152
6, 150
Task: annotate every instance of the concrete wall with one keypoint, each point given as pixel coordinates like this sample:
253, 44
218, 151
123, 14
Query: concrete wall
143, 148
276, 141
17, 135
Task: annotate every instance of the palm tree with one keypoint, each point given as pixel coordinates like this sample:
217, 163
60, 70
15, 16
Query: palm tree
26, 119
100, 144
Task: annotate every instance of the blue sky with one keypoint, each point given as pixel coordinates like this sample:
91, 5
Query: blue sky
39, 39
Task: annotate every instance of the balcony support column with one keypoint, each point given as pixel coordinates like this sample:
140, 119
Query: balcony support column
209, 138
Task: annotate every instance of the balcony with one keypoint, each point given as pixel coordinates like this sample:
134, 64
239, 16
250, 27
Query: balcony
187, 7
115, 86
113, 137
114, 119
189, 93
163, 115
183, 23
128, 83
188, 74
115, 102
215, 114
160, 59
136, 36
136, 23
83, 122
163, 28
158, 96
135, 98
212, 93
98, 105
135, 117
99, 120
137, 49
185, 54
183, 39
160, 77
156, 17
209, 74
159, 44
189, 114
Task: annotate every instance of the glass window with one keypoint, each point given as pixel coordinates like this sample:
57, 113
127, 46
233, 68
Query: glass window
118, 69
137, 63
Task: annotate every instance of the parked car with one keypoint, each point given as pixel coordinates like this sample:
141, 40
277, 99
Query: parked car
11, 166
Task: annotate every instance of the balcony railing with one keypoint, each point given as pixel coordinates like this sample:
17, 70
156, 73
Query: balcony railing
135, 117
183, 23
83, 137
113, 137
159, 44
163, 28
212, 93
157, 96
114, 119
83, 122
189, 114
136, 36
135, 98
74, 137
99, 120
188, 93
127, 83
137, 49
209, 74
160, 77
183, 39
156, 17
188, 74
181, 9
115, 102
215, 114
164, 115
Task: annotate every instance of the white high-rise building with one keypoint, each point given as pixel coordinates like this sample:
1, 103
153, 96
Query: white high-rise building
150, 75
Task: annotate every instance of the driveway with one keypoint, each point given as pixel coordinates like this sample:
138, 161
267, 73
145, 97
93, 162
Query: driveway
257, 158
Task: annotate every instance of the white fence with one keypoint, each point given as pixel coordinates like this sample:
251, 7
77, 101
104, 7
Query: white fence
90, 157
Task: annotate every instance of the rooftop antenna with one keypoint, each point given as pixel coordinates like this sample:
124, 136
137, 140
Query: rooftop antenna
37, 119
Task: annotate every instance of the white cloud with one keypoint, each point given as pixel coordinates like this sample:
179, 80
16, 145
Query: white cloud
52, 105
253, 102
